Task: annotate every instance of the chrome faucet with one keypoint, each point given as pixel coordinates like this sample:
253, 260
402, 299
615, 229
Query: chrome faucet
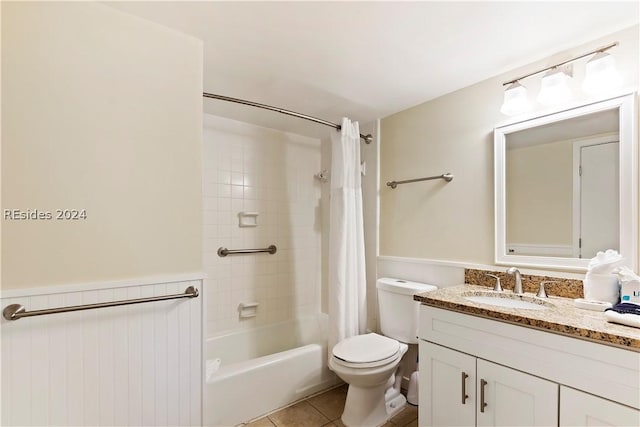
518, 287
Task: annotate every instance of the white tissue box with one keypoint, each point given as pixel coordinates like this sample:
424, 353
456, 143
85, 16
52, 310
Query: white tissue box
601, 287
630, 291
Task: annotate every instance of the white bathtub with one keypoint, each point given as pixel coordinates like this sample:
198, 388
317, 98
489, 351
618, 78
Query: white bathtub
265, 368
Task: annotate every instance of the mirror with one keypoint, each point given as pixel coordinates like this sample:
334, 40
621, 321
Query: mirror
566, 186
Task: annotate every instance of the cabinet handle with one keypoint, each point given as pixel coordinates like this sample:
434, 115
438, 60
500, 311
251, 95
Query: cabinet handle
482, 402
464, 387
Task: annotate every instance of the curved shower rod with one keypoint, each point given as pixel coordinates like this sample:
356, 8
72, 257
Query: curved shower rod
367, 138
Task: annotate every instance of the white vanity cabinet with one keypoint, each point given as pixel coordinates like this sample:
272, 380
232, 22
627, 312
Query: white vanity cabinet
462, 390
507, 397
523, 376
582, 409
447, 387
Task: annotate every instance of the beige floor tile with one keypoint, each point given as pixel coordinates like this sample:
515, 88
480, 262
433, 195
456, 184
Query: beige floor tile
339, 423
335, 423
262, 422
301, 414
408, 414
331, 403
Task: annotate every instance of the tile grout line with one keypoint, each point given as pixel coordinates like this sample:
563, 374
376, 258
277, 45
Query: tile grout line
268, 415
330, 421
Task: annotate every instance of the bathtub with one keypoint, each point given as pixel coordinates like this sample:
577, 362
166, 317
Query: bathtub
265, 368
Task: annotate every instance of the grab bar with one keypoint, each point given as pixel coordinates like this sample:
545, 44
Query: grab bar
446, 176
17, 311
222, 252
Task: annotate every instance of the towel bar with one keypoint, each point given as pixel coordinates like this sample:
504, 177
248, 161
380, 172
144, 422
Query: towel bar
446, 176
17, 311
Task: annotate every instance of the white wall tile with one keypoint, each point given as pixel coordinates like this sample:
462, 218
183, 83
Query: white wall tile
271, 173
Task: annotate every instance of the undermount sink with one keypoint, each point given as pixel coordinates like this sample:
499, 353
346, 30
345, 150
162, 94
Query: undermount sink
507, 300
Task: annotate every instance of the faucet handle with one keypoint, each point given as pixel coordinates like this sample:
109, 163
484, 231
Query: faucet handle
541, 292
498, 286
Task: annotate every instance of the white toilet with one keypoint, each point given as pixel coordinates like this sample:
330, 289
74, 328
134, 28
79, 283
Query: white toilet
368, 362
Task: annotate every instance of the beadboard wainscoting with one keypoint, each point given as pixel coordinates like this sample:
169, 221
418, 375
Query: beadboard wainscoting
129, 365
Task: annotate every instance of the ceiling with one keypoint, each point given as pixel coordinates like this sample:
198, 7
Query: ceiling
367, 60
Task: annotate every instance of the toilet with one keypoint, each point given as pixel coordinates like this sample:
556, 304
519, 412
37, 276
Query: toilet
368, 362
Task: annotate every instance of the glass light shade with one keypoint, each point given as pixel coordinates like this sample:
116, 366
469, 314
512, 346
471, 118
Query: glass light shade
553, 88
516, 100
601, 74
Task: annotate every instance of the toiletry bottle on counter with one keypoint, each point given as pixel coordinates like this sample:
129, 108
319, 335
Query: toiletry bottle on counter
629, 285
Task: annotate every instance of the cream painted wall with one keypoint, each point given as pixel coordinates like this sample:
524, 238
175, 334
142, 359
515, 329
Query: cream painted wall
540, 172
101, 111
454, 133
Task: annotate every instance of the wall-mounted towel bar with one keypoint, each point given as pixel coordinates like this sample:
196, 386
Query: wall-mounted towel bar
446, 176
222, 252
17, 311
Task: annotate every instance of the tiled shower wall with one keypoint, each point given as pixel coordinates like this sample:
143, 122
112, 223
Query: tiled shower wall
252, 169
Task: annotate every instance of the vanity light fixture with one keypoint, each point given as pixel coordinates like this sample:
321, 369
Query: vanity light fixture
600, 76
516, 100
554, 87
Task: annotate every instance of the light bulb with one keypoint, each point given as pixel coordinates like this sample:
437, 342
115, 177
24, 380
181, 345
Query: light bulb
516, 100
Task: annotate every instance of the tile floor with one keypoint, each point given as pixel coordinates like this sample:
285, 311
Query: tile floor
325, 409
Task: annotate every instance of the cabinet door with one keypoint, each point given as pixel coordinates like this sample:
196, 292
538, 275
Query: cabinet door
578, 408
446, 387
507, 397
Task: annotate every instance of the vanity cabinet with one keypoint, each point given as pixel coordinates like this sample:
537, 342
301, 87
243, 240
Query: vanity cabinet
507, 397
582, 409
462, 390
527, 376
447, 389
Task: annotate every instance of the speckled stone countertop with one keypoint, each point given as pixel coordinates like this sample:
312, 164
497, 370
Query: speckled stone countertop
560, 316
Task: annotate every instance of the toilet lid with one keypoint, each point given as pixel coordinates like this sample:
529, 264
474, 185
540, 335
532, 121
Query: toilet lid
366, 348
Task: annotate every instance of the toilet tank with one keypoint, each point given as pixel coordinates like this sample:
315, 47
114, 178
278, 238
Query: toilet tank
397, 310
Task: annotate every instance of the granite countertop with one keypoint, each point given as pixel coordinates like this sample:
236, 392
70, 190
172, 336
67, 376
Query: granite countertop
561, 316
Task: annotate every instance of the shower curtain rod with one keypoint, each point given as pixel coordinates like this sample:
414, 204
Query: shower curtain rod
367, 138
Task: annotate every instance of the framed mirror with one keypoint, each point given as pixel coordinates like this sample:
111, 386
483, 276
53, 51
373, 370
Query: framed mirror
566, 186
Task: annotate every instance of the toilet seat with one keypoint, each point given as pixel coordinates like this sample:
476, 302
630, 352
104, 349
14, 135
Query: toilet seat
366, 351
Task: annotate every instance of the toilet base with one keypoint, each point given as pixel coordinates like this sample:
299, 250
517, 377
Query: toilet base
395, 404
371, 406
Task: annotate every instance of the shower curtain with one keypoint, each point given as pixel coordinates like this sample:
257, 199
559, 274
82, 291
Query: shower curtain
347, 281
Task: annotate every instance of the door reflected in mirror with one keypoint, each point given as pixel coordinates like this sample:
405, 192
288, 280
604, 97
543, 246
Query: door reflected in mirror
566, 186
